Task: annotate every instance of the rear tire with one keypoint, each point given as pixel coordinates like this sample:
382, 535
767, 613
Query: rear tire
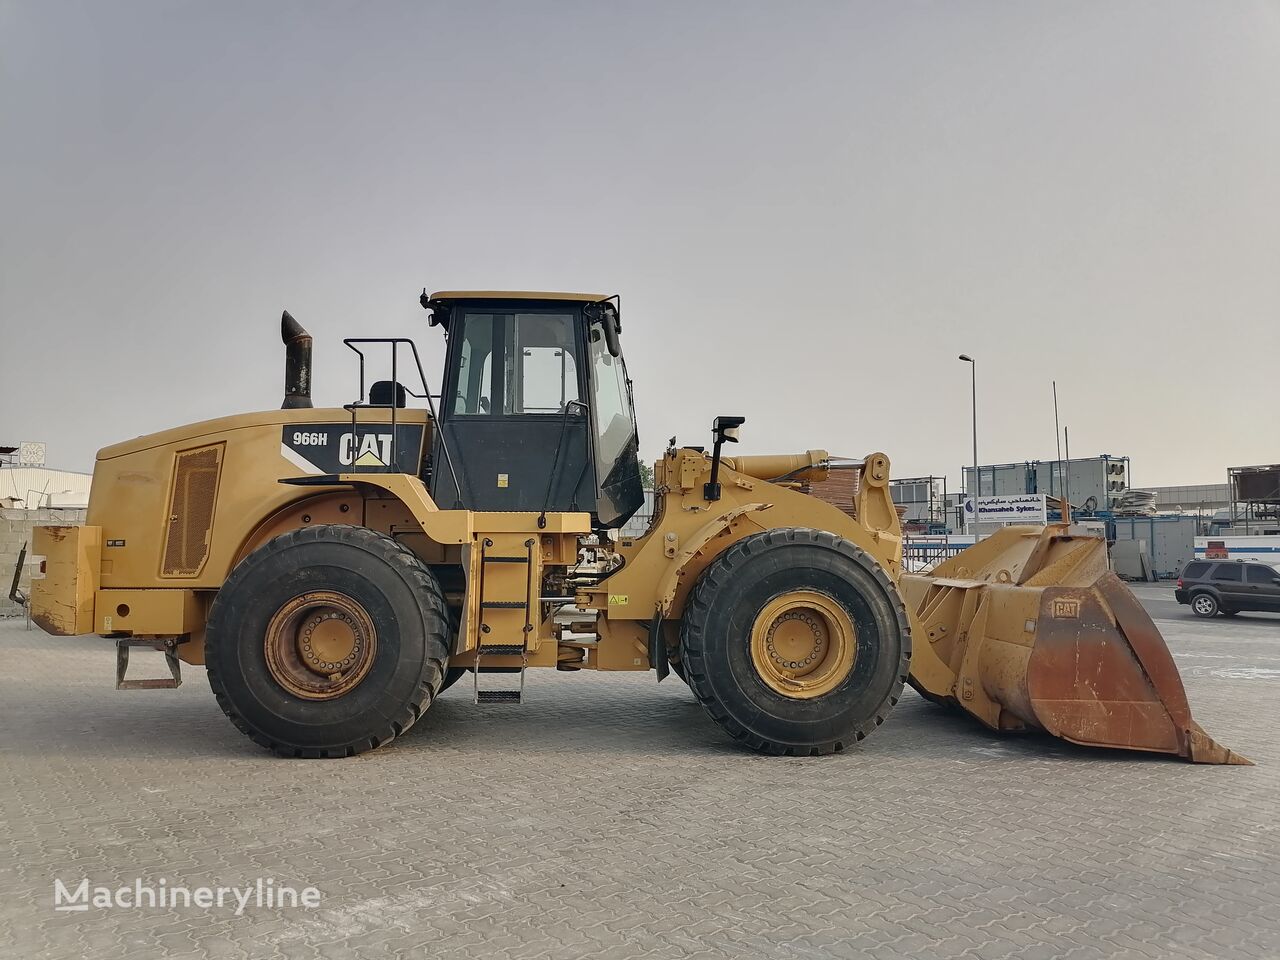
1204, 605
808, 591
388, 637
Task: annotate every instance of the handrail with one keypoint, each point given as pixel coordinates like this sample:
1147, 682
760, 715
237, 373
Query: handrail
395, 342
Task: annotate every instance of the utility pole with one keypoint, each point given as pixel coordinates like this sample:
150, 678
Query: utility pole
1057, 438
1067, 479
977, 484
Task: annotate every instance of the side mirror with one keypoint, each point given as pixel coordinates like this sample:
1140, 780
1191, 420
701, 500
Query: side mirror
726, 428
610, 325
606, 315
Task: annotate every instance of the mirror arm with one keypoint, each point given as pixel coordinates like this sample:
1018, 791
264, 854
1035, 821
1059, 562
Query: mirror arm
724, 429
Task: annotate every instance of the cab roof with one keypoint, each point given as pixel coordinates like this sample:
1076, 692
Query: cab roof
517, 295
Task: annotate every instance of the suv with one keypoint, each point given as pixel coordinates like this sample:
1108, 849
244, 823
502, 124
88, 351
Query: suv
1227, 587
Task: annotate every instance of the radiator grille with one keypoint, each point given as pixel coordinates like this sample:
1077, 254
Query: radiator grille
195, 490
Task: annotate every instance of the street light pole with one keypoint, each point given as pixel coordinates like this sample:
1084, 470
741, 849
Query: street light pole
973, 368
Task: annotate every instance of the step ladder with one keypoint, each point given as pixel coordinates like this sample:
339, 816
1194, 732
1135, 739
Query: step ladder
502, 616
168, 647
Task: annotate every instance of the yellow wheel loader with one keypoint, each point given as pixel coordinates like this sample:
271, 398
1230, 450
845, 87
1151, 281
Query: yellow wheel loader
336, 569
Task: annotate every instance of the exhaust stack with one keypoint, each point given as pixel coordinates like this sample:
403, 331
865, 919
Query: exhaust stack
297, 363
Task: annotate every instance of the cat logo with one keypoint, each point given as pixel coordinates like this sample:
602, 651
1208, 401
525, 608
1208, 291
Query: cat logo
1065, 608
374, 450
319, 448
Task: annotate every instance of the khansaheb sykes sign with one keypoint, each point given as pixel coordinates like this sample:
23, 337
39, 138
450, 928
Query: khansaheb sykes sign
1024, 508
329, 448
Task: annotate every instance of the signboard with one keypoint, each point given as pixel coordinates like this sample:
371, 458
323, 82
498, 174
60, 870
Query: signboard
1023, 508
31, 454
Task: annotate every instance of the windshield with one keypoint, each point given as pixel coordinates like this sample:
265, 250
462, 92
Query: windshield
615, 420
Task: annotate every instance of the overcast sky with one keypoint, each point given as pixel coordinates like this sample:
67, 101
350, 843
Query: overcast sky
808, 209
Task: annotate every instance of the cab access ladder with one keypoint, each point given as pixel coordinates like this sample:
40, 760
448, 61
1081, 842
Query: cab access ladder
509, 568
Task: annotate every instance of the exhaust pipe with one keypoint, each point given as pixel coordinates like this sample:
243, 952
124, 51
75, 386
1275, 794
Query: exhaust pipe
297, 363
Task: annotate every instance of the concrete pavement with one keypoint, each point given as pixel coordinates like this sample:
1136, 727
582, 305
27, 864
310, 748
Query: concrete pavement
609, 817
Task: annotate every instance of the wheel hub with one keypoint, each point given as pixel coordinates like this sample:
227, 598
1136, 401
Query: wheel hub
329, 642
795, 640
803, 644
320, 645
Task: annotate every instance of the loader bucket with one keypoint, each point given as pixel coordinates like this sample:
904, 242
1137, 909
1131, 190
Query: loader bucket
1029, 629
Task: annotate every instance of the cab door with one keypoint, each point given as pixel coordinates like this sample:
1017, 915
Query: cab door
512, 413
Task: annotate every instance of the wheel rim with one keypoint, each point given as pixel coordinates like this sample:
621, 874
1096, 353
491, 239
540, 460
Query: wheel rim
1203, 605
803, 644
320, 645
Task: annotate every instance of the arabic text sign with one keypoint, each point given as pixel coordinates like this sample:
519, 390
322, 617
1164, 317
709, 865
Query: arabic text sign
1025, 508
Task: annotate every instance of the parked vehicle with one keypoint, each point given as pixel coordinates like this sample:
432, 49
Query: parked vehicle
1228, 587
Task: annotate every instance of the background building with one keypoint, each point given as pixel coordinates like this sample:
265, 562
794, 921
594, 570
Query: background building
1094, 484
33, 488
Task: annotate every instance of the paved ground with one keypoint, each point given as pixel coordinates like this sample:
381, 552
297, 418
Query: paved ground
609, 818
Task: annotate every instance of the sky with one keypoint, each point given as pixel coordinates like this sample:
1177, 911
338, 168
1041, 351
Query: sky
808, 209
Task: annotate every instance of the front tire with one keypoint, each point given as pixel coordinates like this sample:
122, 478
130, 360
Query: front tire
327, 641
796, 642
1204, 605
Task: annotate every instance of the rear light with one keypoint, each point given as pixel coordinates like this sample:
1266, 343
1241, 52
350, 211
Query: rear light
1179, 583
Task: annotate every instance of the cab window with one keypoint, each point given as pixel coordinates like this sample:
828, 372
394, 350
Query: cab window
542, 368
475, 366
615, 421
516, 363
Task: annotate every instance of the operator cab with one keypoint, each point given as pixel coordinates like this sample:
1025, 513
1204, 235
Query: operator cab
535, 409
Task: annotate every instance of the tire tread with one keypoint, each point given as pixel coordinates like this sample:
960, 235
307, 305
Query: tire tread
425, 586
698, 607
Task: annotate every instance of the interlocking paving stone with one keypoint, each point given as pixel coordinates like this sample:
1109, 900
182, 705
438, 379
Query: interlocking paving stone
609, 817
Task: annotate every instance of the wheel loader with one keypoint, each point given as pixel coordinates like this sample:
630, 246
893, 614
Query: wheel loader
336, 569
